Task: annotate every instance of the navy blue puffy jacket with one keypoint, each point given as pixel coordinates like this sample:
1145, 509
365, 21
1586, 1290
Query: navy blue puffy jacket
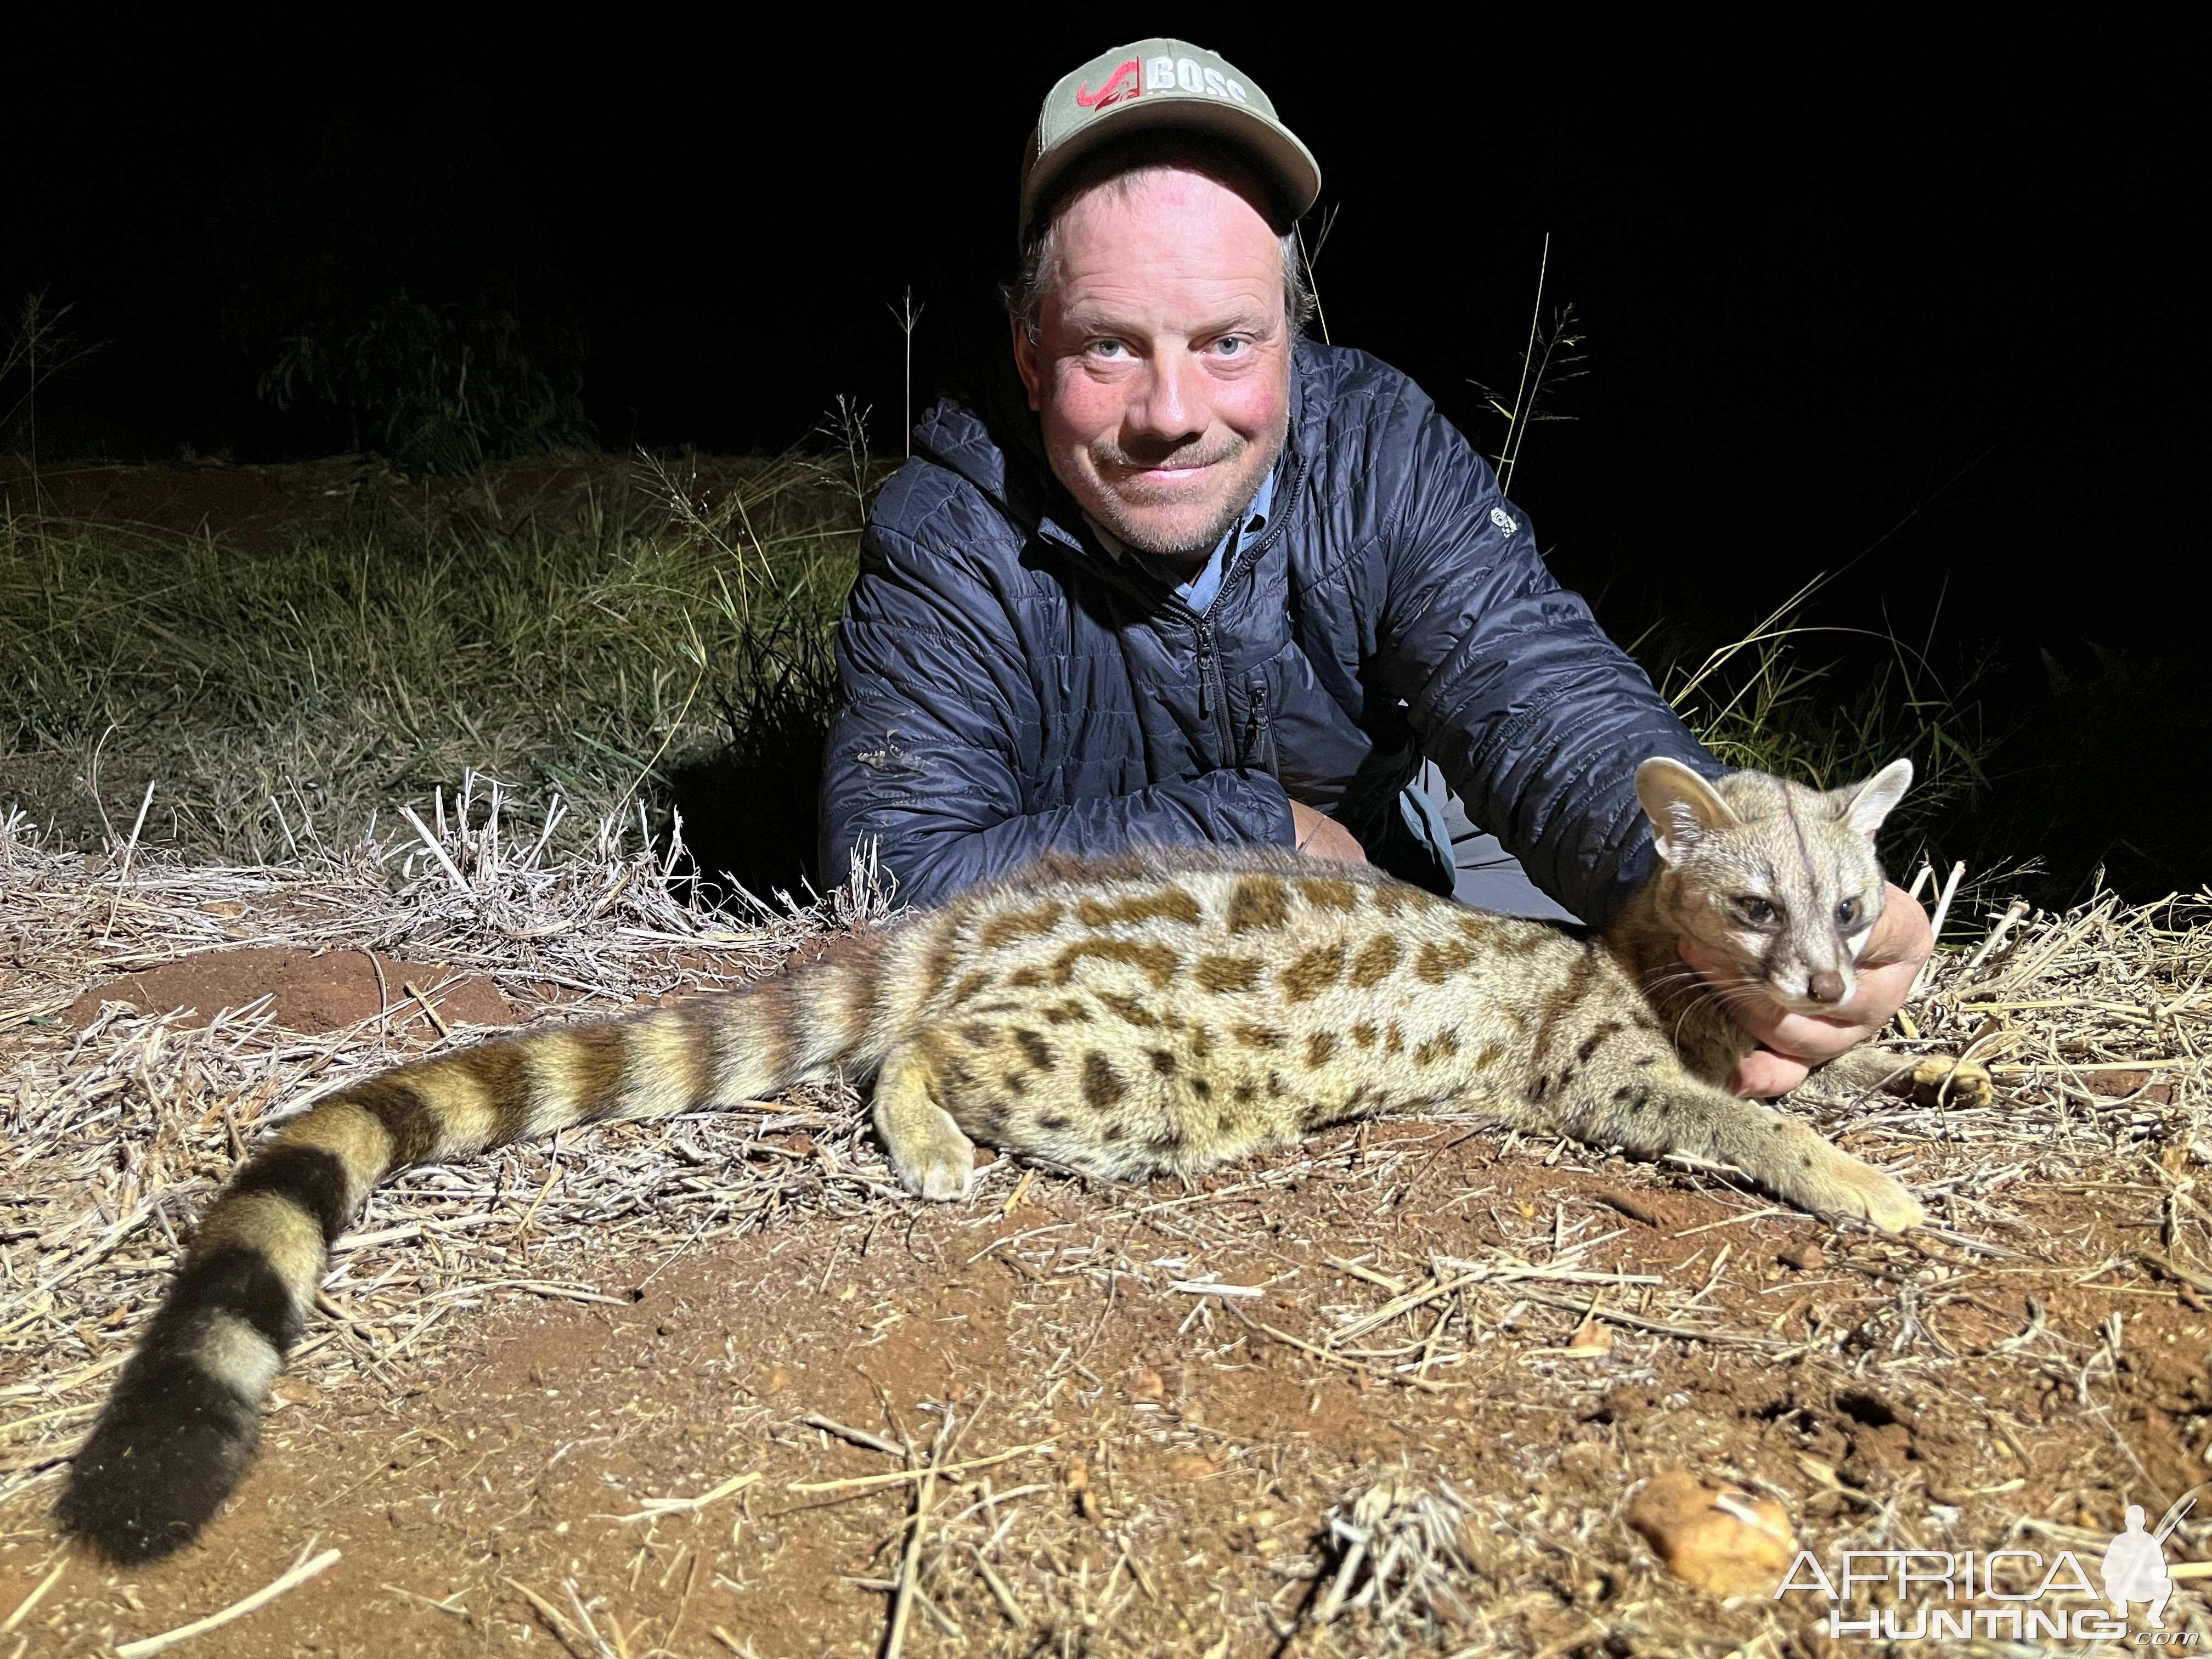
1010, 688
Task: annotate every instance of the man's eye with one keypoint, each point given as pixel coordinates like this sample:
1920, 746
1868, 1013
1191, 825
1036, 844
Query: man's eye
1231, 345
1847, 913
1109, 348
1756, 911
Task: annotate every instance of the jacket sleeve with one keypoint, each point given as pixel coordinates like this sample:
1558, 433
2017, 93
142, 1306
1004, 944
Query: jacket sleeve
936, 754
1535, 717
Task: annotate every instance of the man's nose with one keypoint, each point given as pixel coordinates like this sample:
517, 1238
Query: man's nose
1174, 408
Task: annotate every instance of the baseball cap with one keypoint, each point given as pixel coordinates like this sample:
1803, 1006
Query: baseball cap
1164, 85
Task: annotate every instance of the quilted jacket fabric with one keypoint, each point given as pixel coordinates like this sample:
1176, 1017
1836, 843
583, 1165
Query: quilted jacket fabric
1011, 690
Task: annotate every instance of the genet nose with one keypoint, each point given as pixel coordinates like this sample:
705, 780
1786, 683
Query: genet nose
1826, 986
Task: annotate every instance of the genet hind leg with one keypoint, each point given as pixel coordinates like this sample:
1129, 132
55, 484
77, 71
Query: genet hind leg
930, 1155
1925, 1080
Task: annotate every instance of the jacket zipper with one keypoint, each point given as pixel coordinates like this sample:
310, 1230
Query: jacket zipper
1212, 690
1262, 751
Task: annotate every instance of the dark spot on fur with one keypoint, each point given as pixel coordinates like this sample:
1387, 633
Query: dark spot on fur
1375, 960
1115, 1134
1068, 1013
1130, 1009
1157, 962
1433, 964
1258, 902
1258, 1036
1102, 1084
1054, 1123
1201, 1087
971, 985
978, 1034
1244, 1094
1588, 1045
1329, 893
1442, 1046
1034, 1049
1169, 904
1320, 1047
1010, 924
1313, 973
1226, 974
1391, 897
1164, 1062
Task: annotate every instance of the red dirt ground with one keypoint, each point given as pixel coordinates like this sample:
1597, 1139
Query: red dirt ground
1186, 1455
308, 992
504, 1467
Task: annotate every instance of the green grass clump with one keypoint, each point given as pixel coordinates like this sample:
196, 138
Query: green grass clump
578, 628
1762, 700
626, 634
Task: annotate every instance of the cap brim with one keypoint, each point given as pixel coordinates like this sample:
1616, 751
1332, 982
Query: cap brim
1287, 166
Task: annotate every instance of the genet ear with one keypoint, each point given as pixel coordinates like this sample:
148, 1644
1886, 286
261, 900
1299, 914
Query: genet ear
1865, 805
1684, 809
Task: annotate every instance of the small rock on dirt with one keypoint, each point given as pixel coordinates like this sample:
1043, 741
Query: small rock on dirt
1806, 1258
1714, 1535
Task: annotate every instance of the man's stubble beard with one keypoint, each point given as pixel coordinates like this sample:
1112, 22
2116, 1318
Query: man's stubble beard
1259, 459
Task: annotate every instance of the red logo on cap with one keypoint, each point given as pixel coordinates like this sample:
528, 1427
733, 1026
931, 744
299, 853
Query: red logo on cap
1113, 92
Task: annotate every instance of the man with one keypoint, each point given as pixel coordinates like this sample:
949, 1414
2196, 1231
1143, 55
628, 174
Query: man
1177, 573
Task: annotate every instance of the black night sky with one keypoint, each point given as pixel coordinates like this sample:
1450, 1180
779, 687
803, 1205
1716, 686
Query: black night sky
1875, 295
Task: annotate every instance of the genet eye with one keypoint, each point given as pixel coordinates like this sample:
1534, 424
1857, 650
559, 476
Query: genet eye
1847, 913
1756, 911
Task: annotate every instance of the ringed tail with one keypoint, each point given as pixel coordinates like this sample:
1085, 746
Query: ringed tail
180, 1427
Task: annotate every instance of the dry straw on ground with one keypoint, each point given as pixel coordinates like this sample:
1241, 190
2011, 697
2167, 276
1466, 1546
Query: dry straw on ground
2097, 1023
116, 1133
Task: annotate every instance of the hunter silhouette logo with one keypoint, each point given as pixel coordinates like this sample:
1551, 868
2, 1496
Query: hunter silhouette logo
2135, 1567
1111, 91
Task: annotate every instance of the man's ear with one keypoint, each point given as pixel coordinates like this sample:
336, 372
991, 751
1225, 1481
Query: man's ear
1027, 359
1684, 809
1863, 806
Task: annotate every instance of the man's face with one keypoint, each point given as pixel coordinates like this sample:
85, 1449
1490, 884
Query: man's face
1161, 370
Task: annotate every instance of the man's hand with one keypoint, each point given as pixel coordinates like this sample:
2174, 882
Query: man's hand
1790, 1045
1320, 836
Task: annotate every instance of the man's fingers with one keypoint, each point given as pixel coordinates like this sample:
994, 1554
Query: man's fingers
1762, 1075
1902, 936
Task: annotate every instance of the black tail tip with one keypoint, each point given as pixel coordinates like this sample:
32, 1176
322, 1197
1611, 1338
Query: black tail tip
164, 1456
